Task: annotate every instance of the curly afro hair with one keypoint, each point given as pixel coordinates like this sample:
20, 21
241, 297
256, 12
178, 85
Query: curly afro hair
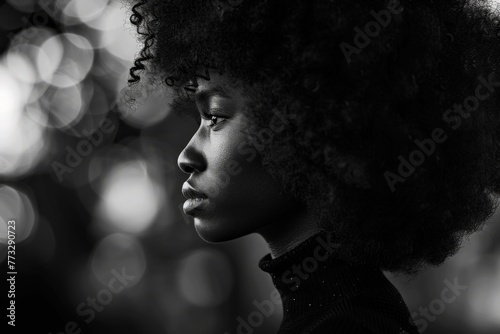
395, 147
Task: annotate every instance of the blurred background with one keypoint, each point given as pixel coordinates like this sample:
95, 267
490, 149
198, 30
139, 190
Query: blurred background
102, 244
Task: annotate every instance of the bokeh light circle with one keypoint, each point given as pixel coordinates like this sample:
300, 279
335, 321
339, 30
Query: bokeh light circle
16, 206
130, 198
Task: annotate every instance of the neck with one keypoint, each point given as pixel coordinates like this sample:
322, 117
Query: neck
313, 275
289, 233
315, 282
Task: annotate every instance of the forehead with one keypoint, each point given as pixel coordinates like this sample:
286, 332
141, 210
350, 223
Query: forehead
219, 86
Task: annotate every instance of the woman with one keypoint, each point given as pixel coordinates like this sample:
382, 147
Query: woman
353, 136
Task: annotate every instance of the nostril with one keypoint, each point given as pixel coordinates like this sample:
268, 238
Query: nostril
184, 165
186, 168
190, 161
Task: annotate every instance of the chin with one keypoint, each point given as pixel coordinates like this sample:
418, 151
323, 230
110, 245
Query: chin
213, 232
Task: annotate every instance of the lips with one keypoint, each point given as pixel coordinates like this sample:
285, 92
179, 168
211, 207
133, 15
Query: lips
190, 193
195, 199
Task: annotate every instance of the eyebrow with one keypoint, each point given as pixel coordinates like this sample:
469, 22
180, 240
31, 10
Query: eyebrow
218, 90
181, 107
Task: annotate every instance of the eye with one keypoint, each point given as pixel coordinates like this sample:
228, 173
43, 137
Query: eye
214, 119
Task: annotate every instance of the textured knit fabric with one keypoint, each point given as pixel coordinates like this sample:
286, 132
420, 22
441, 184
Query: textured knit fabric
324, 294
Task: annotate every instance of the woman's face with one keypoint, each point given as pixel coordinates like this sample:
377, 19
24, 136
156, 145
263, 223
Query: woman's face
229, 193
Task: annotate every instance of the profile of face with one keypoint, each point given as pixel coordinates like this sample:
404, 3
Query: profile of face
228, 191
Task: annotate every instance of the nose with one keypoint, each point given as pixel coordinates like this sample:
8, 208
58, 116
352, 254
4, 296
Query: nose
191, 159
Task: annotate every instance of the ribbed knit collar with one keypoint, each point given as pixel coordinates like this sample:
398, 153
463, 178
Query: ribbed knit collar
311, 276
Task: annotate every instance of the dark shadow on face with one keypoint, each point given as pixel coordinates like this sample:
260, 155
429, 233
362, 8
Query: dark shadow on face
232, 194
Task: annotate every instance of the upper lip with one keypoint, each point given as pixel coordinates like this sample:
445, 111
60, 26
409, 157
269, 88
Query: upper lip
190, 192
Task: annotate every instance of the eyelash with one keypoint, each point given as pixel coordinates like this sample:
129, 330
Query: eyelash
211, 117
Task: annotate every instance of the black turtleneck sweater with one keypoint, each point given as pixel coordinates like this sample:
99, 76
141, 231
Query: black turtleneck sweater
323, 294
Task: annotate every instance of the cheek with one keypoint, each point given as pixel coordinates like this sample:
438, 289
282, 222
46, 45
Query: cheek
230, 170
246, 185
239, 179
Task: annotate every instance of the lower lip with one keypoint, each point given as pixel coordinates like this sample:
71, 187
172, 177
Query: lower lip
192, 203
